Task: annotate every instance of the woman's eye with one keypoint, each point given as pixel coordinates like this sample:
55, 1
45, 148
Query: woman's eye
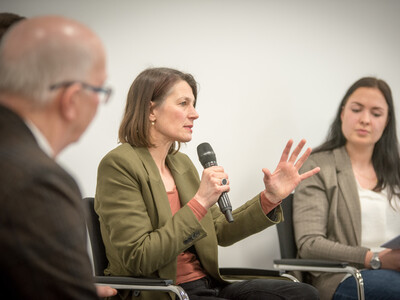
355, 110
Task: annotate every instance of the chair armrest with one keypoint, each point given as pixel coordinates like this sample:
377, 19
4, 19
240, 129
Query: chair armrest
314, 265
141, 284
311, 262
132, 280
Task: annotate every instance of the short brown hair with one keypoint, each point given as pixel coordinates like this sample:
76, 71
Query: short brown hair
152, 84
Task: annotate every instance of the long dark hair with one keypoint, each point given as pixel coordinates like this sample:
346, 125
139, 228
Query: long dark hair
385, 157
152, 85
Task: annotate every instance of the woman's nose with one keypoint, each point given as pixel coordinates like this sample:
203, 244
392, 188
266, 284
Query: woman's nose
365, 117
194, 114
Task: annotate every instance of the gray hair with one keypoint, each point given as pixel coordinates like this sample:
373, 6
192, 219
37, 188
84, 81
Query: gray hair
30, 70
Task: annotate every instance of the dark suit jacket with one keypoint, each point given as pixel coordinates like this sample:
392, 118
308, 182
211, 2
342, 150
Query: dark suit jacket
141, 236
327, 216
42, 231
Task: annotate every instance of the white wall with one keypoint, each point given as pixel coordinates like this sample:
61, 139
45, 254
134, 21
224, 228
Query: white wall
268, 71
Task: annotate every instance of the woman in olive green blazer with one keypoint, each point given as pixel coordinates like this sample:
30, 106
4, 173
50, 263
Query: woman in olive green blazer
137, 223
142, 236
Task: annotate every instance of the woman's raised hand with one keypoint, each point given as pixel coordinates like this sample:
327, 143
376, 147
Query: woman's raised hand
286, 177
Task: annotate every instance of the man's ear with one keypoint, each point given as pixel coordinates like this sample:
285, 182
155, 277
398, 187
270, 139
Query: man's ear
68, 102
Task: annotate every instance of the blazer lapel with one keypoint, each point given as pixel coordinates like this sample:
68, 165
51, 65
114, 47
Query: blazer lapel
186, 188
347, 184
157, 187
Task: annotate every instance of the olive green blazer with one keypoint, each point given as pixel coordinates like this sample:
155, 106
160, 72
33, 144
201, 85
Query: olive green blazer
327, 216
141, 236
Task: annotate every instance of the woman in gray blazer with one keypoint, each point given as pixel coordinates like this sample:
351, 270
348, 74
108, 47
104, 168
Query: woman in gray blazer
348, 210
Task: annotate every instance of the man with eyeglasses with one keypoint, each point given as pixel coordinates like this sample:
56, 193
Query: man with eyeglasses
52, 72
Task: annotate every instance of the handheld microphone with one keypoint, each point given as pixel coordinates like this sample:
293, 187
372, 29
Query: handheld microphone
208, 159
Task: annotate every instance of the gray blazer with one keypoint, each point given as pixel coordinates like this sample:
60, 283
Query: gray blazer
327, 216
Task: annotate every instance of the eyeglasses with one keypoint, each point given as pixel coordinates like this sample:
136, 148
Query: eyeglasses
103, 92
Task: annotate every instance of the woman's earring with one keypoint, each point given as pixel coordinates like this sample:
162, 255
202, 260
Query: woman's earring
152, 123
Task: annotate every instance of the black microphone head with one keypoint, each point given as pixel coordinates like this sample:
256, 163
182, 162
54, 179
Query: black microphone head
206, 155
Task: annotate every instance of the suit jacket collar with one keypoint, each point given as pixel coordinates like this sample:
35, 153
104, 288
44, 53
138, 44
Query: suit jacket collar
347, 183
13, 125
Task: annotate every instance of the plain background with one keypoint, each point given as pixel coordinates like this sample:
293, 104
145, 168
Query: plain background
268, 71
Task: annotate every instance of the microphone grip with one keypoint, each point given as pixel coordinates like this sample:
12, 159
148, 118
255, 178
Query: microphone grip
225, 206
223, 201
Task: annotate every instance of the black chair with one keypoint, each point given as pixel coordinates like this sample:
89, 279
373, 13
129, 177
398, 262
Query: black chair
100, 262
145, 284
288, 250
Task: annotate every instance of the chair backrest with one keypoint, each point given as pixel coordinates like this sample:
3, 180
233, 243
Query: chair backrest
100, 261
285, 230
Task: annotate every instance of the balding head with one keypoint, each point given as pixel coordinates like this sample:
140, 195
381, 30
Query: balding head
40, 52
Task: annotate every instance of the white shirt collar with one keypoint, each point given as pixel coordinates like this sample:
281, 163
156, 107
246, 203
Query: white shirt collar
40, 139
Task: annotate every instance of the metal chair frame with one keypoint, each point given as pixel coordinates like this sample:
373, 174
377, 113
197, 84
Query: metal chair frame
288, 249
